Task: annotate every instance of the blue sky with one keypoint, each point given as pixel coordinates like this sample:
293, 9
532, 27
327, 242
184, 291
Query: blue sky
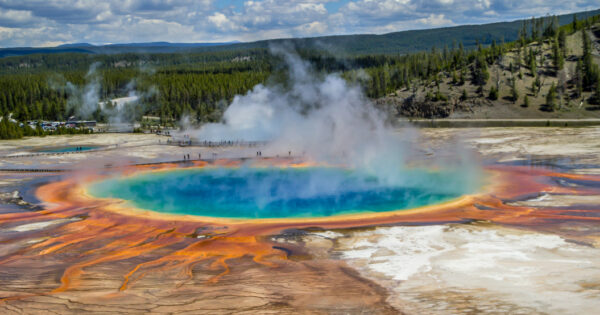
55, 22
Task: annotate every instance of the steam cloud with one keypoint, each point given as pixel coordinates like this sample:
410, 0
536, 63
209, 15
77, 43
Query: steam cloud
84, 101
323, 117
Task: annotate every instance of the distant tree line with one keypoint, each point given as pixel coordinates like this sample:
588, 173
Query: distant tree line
16, 130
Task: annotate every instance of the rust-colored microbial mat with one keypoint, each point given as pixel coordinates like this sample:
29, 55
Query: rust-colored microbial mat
81, 250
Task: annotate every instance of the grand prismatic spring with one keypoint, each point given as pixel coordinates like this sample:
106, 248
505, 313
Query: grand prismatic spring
288, 192
323, 207
80, 251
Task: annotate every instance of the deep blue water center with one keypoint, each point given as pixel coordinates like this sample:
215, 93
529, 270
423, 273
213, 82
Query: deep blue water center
69, 149
276, 192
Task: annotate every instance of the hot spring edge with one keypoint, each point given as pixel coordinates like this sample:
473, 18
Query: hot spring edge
279, 192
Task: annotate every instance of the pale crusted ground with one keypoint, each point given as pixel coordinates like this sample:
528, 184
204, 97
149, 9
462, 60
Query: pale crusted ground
476, 269
561, 145
114, 149
487, 268
567, 147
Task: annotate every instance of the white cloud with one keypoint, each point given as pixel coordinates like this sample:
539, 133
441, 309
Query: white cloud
44, 22
10, 17
435, 20
313, 28
280, 14
222, 22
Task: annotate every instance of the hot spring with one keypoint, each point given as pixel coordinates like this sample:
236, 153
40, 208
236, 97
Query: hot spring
279, 192
67, 149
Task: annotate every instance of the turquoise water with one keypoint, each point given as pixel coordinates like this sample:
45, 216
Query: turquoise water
276, 192
68, 149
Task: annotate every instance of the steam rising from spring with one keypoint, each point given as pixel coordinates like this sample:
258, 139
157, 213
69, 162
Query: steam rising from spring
85, 100
322, 117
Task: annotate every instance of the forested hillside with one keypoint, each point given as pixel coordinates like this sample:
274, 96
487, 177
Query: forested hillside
549, 72
548, 69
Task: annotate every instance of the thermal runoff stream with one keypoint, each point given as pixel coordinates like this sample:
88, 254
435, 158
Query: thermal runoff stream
277, 192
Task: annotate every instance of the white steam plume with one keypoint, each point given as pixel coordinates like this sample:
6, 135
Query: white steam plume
323, 117
85, 101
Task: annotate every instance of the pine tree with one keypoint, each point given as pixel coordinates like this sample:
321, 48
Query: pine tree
557, 56
454, 78
578, 78
551, 103
562, 41
551, 27
3, 128
534, 29
588, 66
523, 34
480, 72
597, 92
532, 63
514, 93
493, 93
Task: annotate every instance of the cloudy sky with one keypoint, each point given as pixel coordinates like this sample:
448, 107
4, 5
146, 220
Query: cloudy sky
54, 22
